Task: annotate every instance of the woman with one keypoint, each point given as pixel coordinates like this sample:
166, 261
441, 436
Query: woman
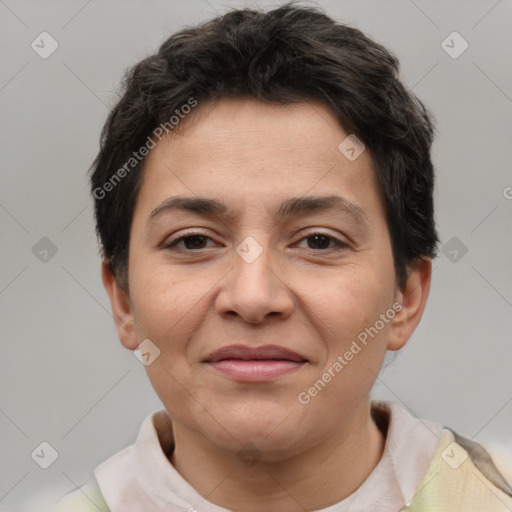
263, 198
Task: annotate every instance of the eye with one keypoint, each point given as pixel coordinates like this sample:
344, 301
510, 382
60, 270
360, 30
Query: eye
196, 241
191, 241
322, 241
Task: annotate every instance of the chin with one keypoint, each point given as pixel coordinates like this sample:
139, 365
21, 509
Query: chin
267, 425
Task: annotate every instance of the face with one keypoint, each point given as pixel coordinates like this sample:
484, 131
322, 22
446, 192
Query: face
269, 269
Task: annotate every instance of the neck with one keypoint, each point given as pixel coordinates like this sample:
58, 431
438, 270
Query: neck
313, 479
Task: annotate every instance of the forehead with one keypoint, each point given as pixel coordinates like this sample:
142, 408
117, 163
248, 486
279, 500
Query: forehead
244, 149
239, 126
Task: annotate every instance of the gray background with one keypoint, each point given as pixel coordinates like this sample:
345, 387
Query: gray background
66, 379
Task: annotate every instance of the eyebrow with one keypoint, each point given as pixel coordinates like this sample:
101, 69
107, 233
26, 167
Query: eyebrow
293, 206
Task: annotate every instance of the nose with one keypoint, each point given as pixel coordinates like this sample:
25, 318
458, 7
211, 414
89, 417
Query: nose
255, 289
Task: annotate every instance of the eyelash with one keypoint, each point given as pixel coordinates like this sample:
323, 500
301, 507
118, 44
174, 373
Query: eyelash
173, 243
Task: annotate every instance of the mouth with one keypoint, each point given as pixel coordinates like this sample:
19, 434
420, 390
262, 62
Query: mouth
259, 364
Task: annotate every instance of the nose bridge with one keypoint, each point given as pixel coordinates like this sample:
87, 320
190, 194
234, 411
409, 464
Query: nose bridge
253, 290
252, 261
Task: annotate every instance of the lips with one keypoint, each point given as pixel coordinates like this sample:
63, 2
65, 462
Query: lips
245, 353
266, 363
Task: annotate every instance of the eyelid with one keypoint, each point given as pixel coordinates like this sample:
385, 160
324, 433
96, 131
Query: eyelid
187, 233
340, 244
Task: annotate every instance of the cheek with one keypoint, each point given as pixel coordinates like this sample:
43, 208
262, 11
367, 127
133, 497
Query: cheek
167, 306
349, 300
168, 311
348, 321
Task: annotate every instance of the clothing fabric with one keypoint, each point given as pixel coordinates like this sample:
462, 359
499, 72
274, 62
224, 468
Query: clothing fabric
424, 468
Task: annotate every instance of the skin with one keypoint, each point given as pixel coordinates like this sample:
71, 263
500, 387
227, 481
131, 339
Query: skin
296, 294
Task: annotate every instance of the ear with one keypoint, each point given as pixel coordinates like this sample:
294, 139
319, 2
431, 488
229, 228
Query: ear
413, 299
121, 308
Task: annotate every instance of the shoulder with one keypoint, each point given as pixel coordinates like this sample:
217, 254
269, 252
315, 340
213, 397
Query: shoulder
87, 498
463, 476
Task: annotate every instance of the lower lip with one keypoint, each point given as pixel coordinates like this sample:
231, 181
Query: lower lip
255, 370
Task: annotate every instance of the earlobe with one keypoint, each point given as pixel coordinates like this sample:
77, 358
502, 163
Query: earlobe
121, 308
413, 299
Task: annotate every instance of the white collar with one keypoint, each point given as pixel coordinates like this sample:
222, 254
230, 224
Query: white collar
140, 477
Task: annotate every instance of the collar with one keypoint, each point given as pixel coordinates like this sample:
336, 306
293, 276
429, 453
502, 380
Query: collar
140, 477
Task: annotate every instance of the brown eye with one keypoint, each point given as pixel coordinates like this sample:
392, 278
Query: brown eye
322, 241
191, 242
319, 241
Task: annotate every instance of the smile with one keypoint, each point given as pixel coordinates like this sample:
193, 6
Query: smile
263, 363
256, 370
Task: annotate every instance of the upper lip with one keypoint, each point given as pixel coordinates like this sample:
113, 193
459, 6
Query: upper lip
246, 353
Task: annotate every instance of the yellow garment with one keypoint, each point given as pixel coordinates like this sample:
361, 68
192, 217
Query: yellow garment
453, 483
